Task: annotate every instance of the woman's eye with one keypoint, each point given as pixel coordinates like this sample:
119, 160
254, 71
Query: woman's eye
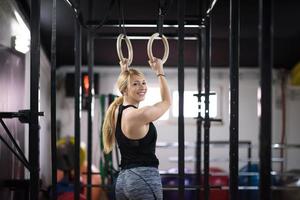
144, 83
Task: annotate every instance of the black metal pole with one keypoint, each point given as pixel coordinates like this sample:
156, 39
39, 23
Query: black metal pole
207, 34
249, 168
90, 58
249, 154
234, 97
53, 102
77, 108
34, 137
181, 11
201, 63
199, 119
265, 63
90, 55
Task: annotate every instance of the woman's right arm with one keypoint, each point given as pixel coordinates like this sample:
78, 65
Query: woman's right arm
157, 67
151, 113
124, 65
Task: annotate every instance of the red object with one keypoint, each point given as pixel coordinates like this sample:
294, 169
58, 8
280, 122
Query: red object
217, 180
86, 84
69, 196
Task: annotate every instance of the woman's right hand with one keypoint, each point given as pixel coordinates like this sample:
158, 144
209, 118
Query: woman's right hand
124, 65
156, 65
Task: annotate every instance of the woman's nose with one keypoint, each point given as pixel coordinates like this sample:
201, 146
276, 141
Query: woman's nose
143, 86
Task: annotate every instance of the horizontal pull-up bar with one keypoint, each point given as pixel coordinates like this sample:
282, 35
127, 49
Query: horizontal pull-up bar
145, 24
151, 26
145, 38
142, 36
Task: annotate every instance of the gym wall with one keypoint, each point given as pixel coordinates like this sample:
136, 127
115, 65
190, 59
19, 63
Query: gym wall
167, 130
15, 95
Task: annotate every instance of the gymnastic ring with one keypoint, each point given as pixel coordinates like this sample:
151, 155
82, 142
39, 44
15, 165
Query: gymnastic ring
129, 48
166, 45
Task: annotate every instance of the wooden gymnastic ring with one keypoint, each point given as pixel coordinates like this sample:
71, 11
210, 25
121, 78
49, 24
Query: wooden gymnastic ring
166, 45
129, 48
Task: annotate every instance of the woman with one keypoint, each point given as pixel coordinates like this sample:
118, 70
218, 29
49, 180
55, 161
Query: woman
135, 133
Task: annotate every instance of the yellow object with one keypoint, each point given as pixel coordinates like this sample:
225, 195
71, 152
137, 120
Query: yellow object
295, 75
70, 139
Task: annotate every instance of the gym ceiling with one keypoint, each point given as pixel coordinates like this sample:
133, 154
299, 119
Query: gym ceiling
286, 31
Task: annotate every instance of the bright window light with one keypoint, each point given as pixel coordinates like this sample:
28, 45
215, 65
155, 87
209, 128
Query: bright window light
258, 102
191, 104
21, 38
23, 27
21, 44
152, 97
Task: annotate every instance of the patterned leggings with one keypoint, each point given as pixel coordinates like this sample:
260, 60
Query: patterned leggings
140, 183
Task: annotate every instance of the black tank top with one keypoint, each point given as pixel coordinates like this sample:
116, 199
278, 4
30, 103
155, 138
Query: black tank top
136, 152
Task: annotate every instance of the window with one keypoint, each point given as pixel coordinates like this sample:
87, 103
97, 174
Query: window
153, 97
259, 102
191, 104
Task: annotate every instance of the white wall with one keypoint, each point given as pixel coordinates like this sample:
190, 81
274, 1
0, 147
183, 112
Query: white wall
293, 126
167, 130
12, 26
44, 121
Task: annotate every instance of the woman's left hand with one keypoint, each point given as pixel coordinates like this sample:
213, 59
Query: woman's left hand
156, 65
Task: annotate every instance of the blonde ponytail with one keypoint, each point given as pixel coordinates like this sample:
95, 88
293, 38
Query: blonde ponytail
108, 129
109, 126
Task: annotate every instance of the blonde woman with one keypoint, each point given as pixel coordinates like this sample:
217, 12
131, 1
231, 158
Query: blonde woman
135, 133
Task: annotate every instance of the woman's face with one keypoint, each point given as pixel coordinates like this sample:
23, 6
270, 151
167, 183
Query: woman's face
137, 88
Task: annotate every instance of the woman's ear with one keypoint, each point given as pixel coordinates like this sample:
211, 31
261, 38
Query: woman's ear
125, 92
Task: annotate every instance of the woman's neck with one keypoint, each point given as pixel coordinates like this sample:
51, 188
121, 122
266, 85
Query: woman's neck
128, 102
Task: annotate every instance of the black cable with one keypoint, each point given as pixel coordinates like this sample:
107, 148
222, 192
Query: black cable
164, 6
121, 17
77, 13
25, 163
19, 150
160, 22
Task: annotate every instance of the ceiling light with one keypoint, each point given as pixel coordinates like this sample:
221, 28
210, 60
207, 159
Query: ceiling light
20, 43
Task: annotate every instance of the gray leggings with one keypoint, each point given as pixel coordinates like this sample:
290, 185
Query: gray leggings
140, 183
